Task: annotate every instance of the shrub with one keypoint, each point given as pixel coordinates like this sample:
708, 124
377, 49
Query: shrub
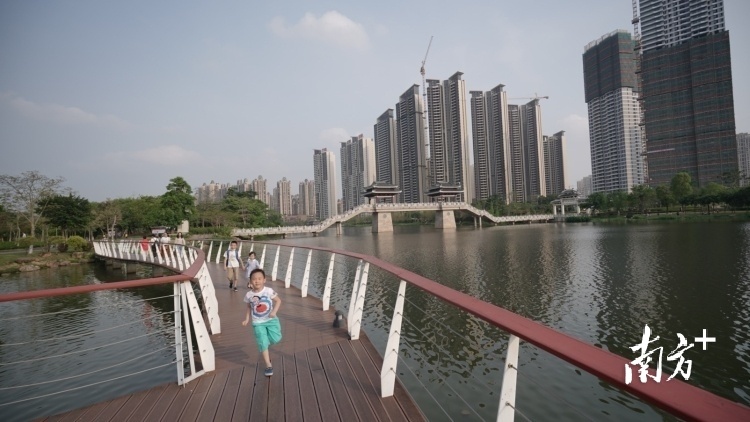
77, 244
27, 241
62, 247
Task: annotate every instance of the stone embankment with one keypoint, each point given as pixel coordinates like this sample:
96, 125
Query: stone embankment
46, 260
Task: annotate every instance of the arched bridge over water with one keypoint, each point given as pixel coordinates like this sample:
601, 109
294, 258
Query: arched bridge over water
382, 222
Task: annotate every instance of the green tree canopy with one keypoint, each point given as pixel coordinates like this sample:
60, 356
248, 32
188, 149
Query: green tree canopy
643, 196
177, 203
68, 212
664, 196
681, 186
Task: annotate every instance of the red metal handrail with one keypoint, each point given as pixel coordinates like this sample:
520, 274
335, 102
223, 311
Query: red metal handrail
188, 274
675, 396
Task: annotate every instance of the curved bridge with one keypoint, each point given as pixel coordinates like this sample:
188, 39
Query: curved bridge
382, 219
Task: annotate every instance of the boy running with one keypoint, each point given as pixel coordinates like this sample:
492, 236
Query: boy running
263, 303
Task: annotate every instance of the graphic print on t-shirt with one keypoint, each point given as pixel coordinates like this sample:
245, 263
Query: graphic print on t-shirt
262, 306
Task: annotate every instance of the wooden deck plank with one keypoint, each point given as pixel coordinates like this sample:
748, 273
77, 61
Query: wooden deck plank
338, 388
259, 401
309, 401
200, 390
395, 412
113, 407
229, 397
129, 407
353, 387
402, 396
291, 390
323, 392
161, 407
179, 403
213, 397
144, 407
370, 390
276, 396
244, 394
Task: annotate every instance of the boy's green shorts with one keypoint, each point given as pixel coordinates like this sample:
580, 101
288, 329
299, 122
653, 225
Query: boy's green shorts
267, 333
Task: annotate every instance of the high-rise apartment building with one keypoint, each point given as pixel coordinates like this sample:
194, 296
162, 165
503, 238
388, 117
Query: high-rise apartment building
686, 79
284, 197
611, 92
211, 192
307, 198
260, 186
517, 168
411, 146
743, 157
554, 163
531, 114
491, 135
324, 164
449, 136
386, 149
585, 187
357, 170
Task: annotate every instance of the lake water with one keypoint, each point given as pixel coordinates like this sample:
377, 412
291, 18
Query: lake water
49, 339
598, 283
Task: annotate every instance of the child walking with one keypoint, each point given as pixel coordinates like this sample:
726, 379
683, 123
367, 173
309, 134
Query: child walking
263, 303
233, 263
252, 264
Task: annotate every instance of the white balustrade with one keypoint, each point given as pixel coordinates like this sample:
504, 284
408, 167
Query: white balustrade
327, 288
275, 264
506, 411
218, 252
306, 276
288, 279
390, 357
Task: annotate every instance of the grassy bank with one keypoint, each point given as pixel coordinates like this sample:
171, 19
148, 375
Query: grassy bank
676, 217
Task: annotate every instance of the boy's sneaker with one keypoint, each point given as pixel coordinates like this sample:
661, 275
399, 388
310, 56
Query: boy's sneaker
235, 288
269, 372
230, 285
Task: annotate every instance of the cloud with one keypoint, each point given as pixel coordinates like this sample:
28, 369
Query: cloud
164, 155
331, 27
334, 136
60, 114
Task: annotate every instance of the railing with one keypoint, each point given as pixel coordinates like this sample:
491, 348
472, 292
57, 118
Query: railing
188, 318
676, 397
391, 207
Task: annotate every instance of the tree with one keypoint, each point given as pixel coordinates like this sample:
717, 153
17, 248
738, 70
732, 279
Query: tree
643, 196
140, 214
70, 212
681, 186
598, 201
28, 193
177, 203
619, 201
712, 193
664, 196
232, 191
107, 214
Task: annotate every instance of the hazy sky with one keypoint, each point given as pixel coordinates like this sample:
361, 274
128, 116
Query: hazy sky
119, 97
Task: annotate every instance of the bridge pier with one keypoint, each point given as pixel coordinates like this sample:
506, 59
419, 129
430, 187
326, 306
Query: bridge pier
382, 222
445, 219
338, 228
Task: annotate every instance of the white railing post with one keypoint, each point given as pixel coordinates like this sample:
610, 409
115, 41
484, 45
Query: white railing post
275, 264
218, 253
178, 333
239, 248
177, 262
356, 323
390, 357
306, 277
329, 280
506, 411
353, 300
288, 279
210, 249
263, 257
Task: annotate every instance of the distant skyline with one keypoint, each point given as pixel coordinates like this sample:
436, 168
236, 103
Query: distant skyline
118, 98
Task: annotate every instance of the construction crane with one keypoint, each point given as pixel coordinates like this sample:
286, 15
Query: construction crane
424, 114
535, 97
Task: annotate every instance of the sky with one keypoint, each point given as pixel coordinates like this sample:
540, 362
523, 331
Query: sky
120, 97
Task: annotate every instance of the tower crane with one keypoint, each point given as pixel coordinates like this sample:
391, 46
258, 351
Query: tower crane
535, 97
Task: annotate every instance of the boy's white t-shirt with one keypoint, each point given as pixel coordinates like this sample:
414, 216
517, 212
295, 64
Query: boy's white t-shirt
261, 304
232, 260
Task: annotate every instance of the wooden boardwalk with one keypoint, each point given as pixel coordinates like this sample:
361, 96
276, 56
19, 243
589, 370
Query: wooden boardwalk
319, 374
